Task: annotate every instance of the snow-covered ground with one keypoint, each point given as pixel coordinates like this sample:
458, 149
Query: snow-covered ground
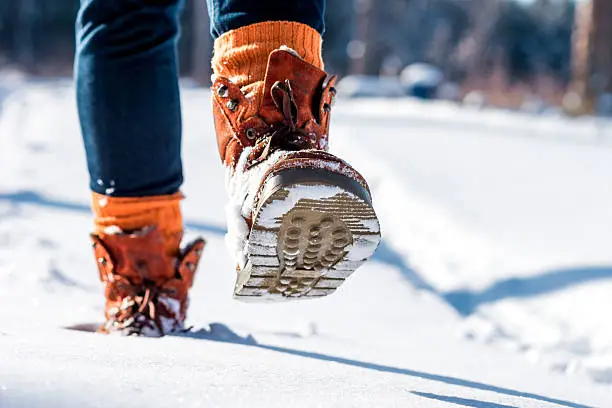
490, 289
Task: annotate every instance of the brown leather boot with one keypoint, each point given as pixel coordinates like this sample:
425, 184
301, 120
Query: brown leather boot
300, 219
145, 288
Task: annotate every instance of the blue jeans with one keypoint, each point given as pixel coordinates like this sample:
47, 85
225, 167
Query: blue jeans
226, 15
127, 84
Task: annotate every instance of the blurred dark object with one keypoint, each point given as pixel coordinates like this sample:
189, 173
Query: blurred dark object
371, 86
422, 80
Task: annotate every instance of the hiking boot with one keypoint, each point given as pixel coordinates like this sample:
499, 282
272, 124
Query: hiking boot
145, 288
300, 220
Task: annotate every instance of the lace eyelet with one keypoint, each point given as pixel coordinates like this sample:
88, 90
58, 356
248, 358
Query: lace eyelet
327, 107
251, 134
223, 91
232, 105
332, 96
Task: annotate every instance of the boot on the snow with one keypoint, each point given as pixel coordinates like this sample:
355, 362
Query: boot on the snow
146, 289
300, 219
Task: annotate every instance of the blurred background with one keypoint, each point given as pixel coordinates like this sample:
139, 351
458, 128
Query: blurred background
534, 55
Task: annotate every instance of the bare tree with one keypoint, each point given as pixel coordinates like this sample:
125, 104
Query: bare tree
357, 49
592, 63
24, 37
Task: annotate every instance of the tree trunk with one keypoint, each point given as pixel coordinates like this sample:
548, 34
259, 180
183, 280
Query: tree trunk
592, 63
24, 38
358, 47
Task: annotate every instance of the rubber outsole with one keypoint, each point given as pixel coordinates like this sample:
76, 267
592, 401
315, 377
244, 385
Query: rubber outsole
313, 229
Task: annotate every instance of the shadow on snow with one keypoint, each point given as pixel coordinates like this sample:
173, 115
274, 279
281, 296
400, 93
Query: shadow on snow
221, 333
461, 401
466, 301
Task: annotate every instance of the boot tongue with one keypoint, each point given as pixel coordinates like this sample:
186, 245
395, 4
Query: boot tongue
306, 84
140, 255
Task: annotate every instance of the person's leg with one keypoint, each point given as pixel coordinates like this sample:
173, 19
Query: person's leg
129, 109
128, 96
300, 220
226, 15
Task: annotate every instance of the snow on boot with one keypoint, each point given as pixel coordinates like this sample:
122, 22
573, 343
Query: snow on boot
300, 219
146, 290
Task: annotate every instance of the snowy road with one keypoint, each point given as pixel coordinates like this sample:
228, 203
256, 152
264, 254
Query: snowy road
496, 231
508, 218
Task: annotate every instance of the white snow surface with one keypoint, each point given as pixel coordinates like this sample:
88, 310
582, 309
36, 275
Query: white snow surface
242, 185
491, 287
277, 209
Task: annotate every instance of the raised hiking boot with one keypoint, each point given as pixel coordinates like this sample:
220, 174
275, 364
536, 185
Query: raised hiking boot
300, 220
146, 290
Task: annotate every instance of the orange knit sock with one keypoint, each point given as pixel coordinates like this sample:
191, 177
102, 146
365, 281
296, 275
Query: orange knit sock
242, 54
131, 214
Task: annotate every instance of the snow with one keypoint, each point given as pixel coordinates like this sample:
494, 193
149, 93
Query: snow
422, 74
490, 288
242, 184
277, 209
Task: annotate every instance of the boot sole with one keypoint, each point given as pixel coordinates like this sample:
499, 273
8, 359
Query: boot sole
313, 229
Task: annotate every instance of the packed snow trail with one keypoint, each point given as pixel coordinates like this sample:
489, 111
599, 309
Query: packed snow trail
389, 337
505, 216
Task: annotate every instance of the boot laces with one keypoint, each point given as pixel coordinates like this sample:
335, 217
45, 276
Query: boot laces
285, 135
144, 308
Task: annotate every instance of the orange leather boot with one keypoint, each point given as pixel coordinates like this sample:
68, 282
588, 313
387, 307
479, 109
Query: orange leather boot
300, 219
145, 274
